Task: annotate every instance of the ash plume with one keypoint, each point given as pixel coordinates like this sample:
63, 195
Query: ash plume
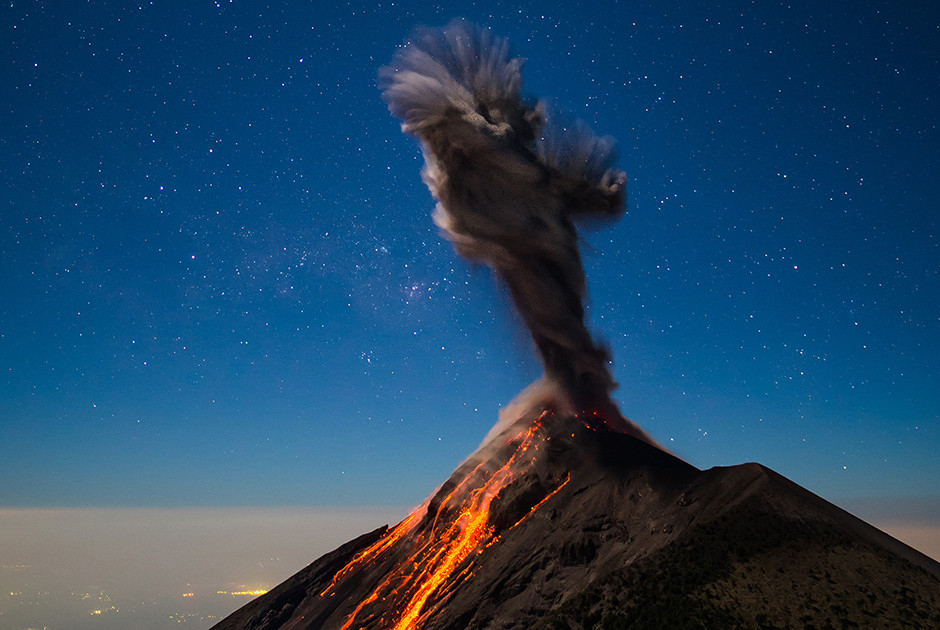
510, 184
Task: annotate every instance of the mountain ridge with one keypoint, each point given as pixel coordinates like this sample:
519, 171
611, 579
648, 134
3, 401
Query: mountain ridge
601, 529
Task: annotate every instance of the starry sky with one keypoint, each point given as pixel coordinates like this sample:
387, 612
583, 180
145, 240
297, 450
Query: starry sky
220, 284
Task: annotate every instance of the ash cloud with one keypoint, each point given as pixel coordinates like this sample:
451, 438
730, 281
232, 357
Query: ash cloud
510, 185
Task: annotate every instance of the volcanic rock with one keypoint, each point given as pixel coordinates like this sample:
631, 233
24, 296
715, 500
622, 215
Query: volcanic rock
583, 527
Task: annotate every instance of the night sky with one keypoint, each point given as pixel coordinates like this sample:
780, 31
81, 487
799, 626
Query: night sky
220, 283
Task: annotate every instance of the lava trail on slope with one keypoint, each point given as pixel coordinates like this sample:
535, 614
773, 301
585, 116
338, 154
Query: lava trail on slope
407, 576
431, 552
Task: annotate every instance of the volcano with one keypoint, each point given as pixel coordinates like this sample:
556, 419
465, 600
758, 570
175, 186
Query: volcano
560, 522
569, 515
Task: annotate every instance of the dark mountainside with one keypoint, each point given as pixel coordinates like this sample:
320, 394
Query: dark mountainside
598, 529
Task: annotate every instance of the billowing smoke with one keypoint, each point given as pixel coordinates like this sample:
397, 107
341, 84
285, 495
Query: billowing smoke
509, 185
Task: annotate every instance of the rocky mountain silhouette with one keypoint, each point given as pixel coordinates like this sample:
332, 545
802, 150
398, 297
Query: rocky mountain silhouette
558, 522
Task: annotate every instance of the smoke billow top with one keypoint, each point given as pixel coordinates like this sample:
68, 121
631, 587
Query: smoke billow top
509, 186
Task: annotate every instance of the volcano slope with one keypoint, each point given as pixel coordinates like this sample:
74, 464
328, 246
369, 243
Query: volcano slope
558, 522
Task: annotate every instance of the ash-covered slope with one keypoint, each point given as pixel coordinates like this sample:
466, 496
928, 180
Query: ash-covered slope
559, 523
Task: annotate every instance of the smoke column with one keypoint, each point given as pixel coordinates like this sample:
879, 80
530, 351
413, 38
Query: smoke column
509, 187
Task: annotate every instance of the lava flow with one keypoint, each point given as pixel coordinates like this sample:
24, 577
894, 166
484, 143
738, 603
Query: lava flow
442, 542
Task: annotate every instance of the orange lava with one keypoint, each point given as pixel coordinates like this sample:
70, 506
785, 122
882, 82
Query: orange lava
444, 555
546, 498
376, 548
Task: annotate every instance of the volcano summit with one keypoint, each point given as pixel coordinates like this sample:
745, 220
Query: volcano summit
569, 515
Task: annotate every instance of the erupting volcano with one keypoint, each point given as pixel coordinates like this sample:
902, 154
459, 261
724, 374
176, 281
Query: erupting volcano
569, 515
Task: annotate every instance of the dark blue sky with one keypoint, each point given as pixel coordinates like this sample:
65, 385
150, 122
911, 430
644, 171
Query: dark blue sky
220, 283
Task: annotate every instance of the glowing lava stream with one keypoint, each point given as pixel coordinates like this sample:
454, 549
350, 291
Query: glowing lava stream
459, 529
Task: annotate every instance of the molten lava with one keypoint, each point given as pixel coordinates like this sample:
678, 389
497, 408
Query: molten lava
442, 546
